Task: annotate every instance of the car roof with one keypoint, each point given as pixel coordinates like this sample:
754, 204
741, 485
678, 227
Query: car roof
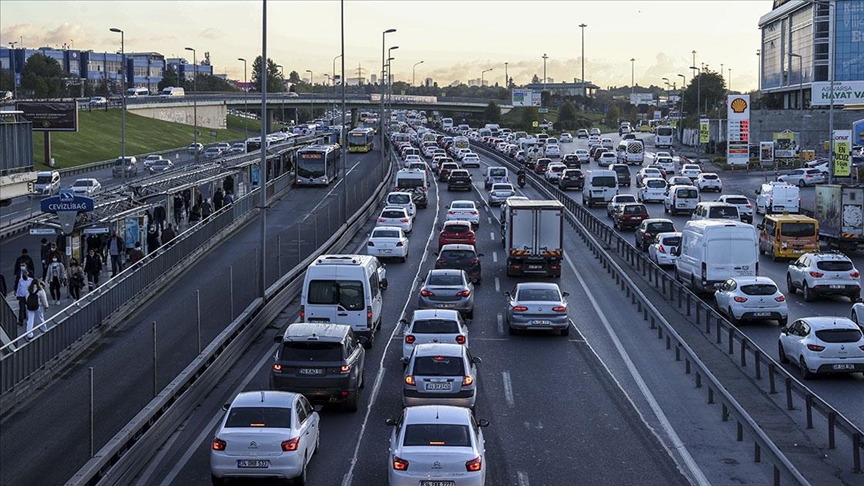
753, 280
446, 271
828, 255
658, 220
316, 331
455, 222
394, 208
449, 314
438, 349
458, 246
392, 228
461, 201
828, 322
426, 414
270, 398
669, 234
536, 285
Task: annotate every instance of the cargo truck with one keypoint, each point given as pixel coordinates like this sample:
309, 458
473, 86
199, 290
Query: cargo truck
840, 213
533, 233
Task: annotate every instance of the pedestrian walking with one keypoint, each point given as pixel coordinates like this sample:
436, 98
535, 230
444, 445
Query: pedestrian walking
3, 289
152, 240
21, 291
94, 242
195, 214
229, 198
206, 209
93, 269
228, 184
136, 255
178, 209
187, 201
76, 279
36, 303
168, 234
218, 199
159, 217
116, 247
56, 279
45, 255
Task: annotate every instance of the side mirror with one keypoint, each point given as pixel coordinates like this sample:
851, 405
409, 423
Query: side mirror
479, 254
760, 226
363, 340
226, 406
506, 293
318, 408
565, 294
403, 321
757, 191
476, 360
404, 361
391, 422
277, 338
483, 423
784, 330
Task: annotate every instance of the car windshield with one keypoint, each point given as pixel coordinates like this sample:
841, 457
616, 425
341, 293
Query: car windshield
456, 228
839, 335
439, 366
435, 326
462, 206
737, 200
444, 279
259, 417
393, 214
759, 289
447, 435
661, 227
625, 199
635, 209
399, 199
723, 212
43, 179
311, 351
347, 293
537, 295
672, 240
798, 230
834, 265
656, 184
688, 193
385, 233
457, 254
497, 172
502, 187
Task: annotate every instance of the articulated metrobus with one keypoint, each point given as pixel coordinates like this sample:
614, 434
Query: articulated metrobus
317, 165
361, 140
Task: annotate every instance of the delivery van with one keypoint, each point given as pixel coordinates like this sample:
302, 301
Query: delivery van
788, 235
713, 251
777, 197
600, 186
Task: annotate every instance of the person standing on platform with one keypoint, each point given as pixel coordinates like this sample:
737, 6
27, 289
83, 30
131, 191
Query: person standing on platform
56, 279
37, 303
152, 240
116, 247
76, 279
23, 263
168, 234
22, 286
93, 268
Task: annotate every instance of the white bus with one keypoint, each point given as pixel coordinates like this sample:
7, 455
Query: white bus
663, 136
317, 165
446, 124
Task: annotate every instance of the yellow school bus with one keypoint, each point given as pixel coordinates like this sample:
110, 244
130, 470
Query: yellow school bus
788, 235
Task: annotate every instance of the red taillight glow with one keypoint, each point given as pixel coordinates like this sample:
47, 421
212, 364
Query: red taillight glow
520, 308
816, 274
460, 339
855, 274
291, 445
409, 339
302, 312
409, 380
559, 308
661, 249
815, 347
427, 293
451, 212
474, 465
218, 444
738, 298
463, 293
467, 380
382, 220
399, 464
780, 298
404, 220
400, 244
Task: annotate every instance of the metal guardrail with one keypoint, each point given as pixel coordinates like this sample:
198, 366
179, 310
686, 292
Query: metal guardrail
601, 239
127, 452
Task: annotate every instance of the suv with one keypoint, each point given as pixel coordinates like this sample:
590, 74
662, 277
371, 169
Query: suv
649, 229
622, 172
571, 179
629, 215
459, 179
125, 166
461, 257
822, 273
444, 171
324, 362
716, 210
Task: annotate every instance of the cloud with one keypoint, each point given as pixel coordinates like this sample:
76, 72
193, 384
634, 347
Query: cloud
34, 36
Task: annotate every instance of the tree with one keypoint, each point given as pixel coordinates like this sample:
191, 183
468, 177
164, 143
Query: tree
708, 87
492, 113
275, 81
43, 76
293, 77
6, 81
209, 82
567, 113
613, 115
529, 116
169, 78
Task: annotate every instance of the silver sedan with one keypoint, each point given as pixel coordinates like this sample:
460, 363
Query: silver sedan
537, 306
500, 193
447, 289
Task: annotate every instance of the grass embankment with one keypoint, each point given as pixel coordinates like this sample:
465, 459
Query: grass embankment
98, 138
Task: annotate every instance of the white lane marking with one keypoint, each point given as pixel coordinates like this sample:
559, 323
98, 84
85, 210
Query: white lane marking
489, 220
522, 478
495, 256
379, 378
497, 285
492, 235
211, 426
508, 389
500, 324
643, 388
331, 191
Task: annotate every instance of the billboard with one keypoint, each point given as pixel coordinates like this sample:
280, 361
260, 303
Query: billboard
641, 99
849, 35
738, 129
850, 92
785, 143
842, 151
50, 116
704, 133
525, 97
858, 132
766, 152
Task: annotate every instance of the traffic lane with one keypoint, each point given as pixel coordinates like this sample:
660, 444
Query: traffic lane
121, 395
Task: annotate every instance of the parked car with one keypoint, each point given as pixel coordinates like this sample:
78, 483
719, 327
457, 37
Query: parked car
98, 101
751, 298
537, 306
822, 345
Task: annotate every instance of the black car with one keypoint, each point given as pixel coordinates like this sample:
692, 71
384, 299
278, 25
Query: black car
649, 228
460, 257
571, 160
623, 173
571, 179
324, 362
459, 180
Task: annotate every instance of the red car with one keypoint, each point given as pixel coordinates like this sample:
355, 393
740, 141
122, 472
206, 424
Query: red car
456, 232
629, 215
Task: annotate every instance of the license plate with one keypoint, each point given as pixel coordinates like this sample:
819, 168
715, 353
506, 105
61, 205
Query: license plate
317, 319
253, 463
437, 483
444, 306
438, 386
761, 314
388, 251
843, 367
838, 286
310, 371
541, 322
535, 267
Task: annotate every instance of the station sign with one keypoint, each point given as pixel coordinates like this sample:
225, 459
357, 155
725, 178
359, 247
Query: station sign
43, 231
66, 201
738, 130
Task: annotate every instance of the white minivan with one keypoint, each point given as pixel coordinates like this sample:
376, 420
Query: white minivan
681, 199
777, 197
713, 251
600, 187
402, 200
345, 289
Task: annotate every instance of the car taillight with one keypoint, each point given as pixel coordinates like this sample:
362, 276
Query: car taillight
855, 274
520, 308
427, 293
400, 244
559, 308
302, 312
460, 339
473, 213
749, 206
647, 235
467, 380
451, 212
345, 368
291, 444
382, 220
219, 444
399, 464
474, 465
409, 380
815, 347
463, 293
816, 274
780, 298
369, 317
861, 348
704, 271
409, 339
738, 298
661, 249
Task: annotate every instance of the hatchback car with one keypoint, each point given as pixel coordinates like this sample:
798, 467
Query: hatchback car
395, 216
86, 187
265, 434
456, 232
607, 158
471, 159
803, 177
709, 181
619, 200
826, 344
649, 228
571, 179
440, 374
195, 148
465, 211
653, 189
691, 171
162, 165
553, 172
447, 289
461, 257
565, 138
387, 242
500, 192
437, 445
750, 299
678, 181
459, 179
582, 133
583, 155
212, 153
823, 273
663, 248
537, 306
647, 172
629, 215
667, 163
541, 165
432, 326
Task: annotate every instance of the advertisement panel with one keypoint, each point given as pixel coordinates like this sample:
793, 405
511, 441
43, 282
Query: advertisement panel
842, 150
849, 34
641, 99
845, 92
858, 132
738, 129
525, 97
766, 153
704, 134
50, 116
785, 143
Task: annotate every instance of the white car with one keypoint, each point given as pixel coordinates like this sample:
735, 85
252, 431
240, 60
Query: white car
433, 326
821, 273
709, 181
395, 216
659, 155
554, 170
552, 151
565, 138
803, 177
751, 298
648, 172
223, 146
662, 250
652, 189
826, 344
500, 192
666, 163
619, 200
265, 434
471, 159
465, 211
86, 187
437, 445
388, 242
237, 148
594, 140
150, 159
583, 155
411, 158
212, 153
745, 207
691, 170
607, 158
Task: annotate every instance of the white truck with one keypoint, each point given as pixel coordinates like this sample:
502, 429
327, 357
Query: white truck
840, 212
533, 234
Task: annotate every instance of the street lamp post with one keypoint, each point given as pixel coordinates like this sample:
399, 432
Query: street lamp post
681, 111
632, 75
195, 90
666, 81
389, 83
282, 101
698, 83
506, 78
483, 76
800, 92
832, 8
122, 99
544, 76
14, 83
311, 83
245, 100
582, 26
414, 72
381, 126
333, 83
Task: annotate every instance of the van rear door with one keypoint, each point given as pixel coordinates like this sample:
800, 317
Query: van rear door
339, 300
730, 257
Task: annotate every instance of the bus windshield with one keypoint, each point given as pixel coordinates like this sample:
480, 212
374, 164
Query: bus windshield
310, 165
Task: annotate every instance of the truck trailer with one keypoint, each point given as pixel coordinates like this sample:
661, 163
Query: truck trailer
533, 234
840, 213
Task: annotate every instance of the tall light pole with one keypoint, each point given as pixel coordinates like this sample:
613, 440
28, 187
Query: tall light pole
632, 75
344, 128
414, 73
262, 164
14, 83
195, 90
582, 26
730, 80
122, 98
832, 9
245, 101
483, 76
334, 82
544, 74
389, 83
759, 62
506, 77
800, 94
666, 81
311, 83
381, 127
698, 83
282, 101
681, 111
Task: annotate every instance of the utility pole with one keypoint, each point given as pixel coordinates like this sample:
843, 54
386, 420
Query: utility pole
582, 26
381, 124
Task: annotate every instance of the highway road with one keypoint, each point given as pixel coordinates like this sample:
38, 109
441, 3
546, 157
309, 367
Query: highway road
603, 403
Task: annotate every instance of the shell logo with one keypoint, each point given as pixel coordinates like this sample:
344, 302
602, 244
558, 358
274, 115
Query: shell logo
739, 105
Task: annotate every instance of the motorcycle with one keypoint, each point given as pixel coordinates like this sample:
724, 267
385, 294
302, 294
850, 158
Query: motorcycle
521, 181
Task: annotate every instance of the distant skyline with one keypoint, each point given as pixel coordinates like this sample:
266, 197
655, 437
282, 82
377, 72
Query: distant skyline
455, 40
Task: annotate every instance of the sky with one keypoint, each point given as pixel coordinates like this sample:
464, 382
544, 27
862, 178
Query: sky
456, 40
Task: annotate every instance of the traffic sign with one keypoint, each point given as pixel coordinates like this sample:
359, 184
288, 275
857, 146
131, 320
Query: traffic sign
543, 111
43, 231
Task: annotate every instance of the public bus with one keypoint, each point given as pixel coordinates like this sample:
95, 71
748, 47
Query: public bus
317, 165
361, 140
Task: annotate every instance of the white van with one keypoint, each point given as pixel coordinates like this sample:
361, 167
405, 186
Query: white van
411, 178
345, 289
777, 197
47, 183
631, 152
171, 91
713, 251
401, 200
600, 186
681, 199
137, 92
